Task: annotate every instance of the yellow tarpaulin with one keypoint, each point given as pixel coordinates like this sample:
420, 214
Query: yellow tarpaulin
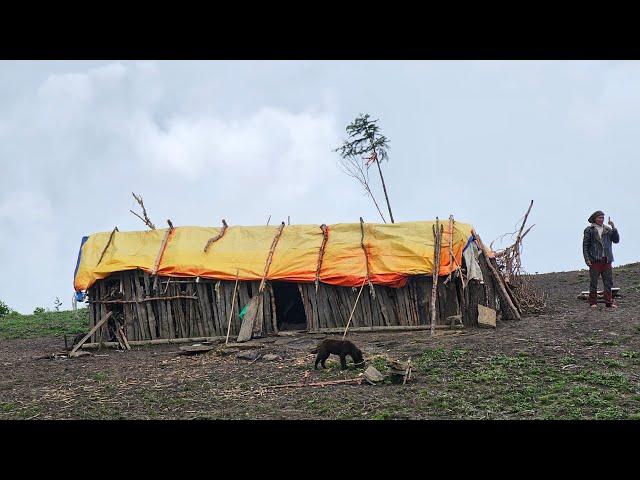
393, 252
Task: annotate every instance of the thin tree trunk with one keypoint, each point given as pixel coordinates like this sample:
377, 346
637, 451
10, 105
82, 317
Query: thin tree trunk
376, 203
384, 187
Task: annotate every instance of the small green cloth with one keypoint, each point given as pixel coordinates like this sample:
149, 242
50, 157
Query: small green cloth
244, 310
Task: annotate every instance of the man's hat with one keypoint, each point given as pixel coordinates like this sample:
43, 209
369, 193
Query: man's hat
592, 218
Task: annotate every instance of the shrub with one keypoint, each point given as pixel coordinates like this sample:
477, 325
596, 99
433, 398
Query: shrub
38, 311
4, 309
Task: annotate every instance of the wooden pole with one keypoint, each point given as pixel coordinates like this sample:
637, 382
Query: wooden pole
389, 328
91, 332
270, 257
512, 310
233, 302
366, 257
217, 237
157, 341
107, 245
353, 309
437, 233
156, 263
325, 237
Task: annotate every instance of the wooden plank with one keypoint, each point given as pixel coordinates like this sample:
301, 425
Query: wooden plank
250, 317
381, 299
205, 308
486, 317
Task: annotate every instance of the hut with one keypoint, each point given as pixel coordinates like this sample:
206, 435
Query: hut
204, 282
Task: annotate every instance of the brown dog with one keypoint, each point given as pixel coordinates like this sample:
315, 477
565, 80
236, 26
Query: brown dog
342, 348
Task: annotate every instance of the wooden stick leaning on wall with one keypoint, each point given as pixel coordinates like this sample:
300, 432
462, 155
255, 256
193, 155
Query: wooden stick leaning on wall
346, 329
217, 237
91, 332
233, 302
325, 238
107, 245
512, 311
437, 233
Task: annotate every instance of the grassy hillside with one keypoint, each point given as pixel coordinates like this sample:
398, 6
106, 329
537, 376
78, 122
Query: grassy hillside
15, 325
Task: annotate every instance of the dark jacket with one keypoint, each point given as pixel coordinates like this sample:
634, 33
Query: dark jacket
594, 248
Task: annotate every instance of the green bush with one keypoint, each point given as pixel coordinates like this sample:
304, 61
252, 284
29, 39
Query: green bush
4, 309
38, 311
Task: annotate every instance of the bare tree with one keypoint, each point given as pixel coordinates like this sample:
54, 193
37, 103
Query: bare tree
364, 146
355, 167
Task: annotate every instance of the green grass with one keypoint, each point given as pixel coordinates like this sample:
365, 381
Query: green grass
521, 386
15, 325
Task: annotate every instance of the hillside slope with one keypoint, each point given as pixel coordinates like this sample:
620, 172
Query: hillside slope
570, 363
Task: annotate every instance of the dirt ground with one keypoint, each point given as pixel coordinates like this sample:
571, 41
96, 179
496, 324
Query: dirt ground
571, 362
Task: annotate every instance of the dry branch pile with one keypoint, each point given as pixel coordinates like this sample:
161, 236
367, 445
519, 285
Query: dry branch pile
529, 299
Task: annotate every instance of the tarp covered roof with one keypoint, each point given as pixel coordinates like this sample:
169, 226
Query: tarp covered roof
394, 252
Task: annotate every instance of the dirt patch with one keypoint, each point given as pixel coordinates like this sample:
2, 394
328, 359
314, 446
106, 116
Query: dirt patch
571, 362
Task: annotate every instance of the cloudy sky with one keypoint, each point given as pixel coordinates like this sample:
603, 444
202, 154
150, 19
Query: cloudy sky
203, 141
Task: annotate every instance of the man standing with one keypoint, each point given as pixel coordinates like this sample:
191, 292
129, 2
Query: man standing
598, 255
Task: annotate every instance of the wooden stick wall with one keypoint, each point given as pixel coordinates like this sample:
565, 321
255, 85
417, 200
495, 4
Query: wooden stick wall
184, 307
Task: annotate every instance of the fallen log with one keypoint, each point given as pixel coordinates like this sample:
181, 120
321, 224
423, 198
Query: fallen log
387, 328
157, 341
356, 381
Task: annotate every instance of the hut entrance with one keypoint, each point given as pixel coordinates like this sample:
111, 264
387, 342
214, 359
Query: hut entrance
289, 308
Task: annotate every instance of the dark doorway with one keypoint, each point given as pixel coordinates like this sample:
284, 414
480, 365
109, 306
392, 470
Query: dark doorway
289, 308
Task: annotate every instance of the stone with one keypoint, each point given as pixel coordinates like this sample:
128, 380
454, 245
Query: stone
373, 375
248, 355
270, 357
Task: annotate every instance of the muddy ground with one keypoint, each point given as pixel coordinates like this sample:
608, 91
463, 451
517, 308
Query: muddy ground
571, 362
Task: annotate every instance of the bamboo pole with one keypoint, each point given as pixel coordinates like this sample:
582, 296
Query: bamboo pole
233, 302
437, 233
353, 309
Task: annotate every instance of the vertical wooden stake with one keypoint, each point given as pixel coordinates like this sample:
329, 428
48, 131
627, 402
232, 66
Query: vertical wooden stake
437, 233
233, 302
354, 308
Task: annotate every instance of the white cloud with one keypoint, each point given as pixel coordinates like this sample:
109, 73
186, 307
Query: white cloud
243, 140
